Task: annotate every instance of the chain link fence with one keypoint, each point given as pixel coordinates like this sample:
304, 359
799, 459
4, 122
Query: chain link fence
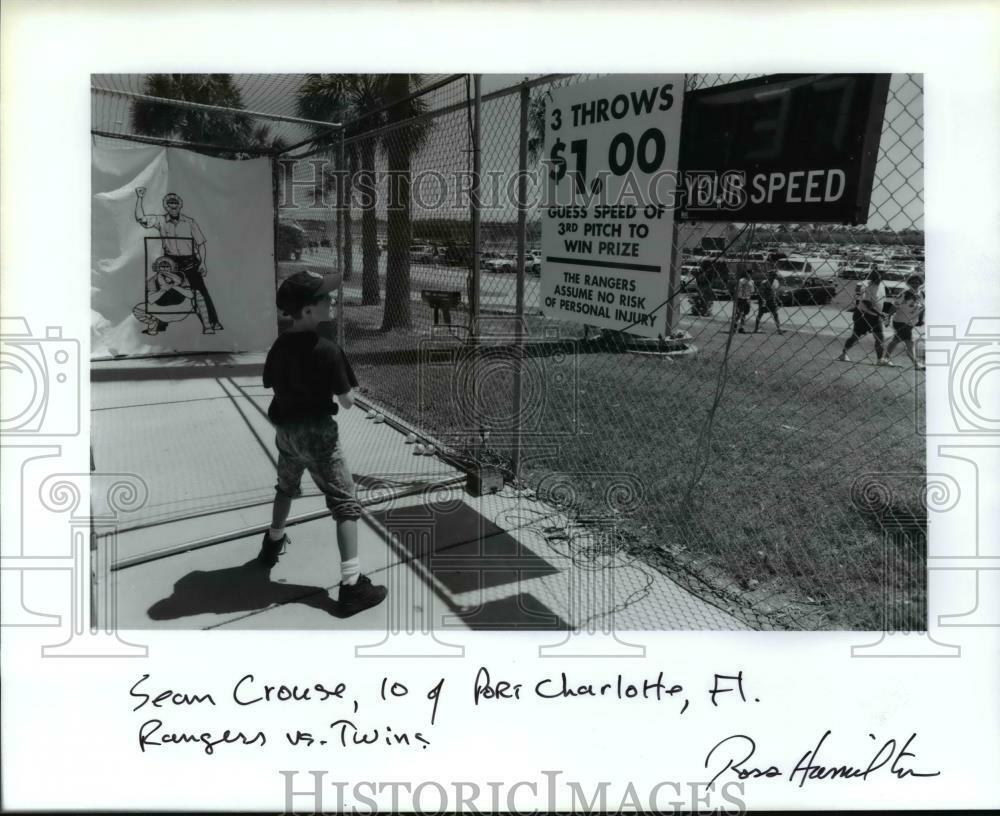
753, 468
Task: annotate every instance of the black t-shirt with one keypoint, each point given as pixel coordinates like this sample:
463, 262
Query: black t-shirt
765, 288
305, 371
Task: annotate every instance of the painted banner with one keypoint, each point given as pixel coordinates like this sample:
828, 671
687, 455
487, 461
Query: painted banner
182, 253
611, 151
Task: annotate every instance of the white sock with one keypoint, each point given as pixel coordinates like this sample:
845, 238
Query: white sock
349, 571
276, 533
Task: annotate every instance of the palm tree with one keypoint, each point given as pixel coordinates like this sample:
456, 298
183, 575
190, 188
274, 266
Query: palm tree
536, 128
362, 101
337, 98
236, 135
399, 146
536, 125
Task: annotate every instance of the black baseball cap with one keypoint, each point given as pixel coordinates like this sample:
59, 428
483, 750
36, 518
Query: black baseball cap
303, 288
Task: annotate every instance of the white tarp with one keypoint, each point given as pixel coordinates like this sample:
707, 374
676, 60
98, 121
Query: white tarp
189, 266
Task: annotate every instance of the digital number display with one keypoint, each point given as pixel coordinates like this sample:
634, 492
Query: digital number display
782, 148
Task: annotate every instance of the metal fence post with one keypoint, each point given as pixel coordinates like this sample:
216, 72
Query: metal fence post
341, 255
522, 230
673, 311
673, 281
275, 184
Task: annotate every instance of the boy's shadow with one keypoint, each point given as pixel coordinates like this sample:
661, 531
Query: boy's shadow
237, 589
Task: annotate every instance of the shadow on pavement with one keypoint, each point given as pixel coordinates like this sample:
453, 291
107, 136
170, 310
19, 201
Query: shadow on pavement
521, 611
246, 588
468, 554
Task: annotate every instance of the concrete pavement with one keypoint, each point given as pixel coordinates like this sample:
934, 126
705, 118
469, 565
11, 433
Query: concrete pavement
201, 444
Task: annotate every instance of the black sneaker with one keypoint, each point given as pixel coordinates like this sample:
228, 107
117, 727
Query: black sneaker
361, 595
271, 549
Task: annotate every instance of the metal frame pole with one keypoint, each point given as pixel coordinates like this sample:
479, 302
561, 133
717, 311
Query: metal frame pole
275, 225
476, 248
341, 255
522, 232
220, 109
672, 315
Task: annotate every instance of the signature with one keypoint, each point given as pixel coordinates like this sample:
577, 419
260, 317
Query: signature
735, 754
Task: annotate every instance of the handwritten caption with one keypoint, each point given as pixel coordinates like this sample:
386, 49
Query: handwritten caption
354, 709
392, 714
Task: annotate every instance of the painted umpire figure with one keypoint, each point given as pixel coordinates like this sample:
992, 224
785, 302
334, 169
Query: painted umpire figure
184, 243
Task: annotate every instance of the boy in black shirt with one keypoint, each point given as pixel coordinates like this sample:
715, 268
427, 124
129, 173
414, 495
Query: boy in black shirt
306, 371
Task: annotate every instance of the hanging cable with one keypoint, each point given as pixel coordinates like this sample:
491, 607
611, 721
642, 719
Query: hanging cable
705, 438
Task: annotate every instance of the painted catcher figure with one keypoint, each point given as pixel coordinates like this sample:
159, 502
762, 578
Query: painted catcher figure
168, 299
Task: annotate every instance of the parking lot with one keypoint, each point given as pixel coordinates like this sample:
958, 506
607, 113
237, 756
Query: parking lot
498, 292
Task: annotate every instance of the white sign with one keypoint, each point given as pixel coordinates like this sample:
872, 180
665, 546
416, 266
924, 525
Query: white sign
611, 150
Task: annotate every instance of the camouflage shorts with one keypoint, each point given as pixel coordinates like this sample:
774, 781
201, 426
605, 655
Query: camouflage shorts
315, 446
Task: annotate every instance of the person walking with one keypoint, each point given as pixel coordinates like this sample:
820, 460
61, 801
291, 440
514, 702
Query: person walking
767, 294
868, 308
306, 372
909, 312
744, 293
706, 296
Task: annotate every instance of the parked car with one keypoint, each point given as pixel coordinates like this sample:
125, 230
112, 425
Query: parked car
290, 241
688, 273
498, 264
723, 276
508, 264
421, 253
718, 273
894, 280
457, 255
794, 265
804, 290
856, 271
